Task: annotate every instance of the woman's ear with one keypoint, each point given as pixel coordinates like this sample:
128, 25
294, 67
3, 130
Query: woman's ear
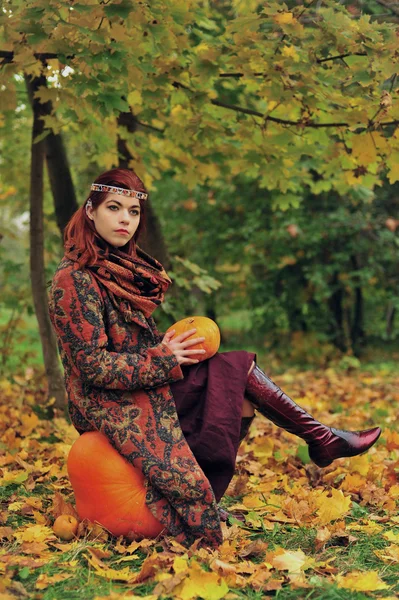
89, 209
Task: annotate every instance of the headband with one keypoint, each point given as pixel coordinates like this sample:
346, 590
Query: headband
100, 187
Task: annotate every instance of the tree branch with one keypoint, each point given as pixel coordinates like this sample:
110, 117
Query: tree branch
304, 123
386, 4
318, 60
8, 57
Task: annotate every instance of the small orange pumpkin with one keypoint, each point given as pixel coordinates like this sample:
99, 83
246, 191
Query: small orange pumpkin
108, 489
205, 328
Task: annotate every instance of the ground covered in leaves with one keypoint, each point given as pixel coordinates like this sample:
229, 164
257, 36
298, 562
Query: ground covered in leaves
308, 532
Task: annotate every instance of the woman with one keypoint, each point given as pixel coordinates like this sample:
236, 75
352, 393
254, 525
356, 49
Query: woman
180, 421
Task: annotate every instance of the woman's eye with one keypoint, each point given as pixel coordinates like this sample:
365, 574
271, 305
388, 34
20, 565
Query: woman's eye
133, 212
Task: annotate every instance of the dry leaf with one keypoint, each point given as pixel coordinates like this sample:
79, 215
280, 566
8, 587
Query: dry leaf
332, 507
361, 581
43, 581
209, 586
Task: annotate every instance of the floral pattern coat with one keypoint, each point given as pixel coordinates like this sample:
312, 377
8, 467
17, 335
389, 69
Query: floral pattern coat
117, 378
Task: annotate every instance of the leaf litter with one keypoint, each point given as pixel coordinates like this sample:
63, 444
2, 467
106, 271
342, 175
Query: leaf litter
292, 525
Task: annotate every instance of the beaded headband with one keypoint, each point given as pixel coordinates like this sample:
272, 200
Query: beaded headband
101, 187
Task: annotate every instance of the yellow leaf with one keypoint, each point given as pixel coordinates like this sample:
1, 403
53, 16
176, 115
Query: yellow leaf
353, 483
29, 423
35, 533
253, 501
363, 149
45, 94
370, 527
157, 123
290, 52
394, 491
209, 586
391, 536
112, 574
180, 564
360, 464
119, 32
332, 508
361, 581
14, 506
135, 98
208, 170
283, 18
43, 581
290, 560
389, 554
265, 449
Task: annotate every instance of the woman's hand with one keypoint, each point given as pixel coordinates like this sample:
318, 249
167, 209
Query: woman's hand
180, 346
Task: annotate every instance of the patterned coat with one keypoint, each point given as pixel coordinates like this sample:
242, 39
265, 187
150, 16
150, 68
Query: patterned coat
117, 378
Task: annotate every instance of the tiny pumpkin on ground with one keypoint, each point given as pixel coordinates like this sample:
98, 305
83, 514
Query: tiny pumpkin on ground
65, 527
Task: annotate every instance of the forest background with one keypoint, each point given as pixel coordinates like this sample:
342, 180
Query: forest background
273, 186
267, 135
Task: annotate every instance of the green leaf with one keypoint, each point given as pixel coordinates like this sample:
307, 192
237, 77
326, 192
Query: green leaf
24, 573
121, 10
303, 454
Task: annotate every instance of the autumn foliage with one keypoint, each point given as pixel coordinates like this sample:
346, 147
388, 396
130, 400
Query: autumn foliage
301, 526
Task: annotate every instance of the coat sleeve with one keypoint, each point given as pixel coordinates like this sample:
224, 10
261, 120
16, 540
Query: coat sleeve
76, 310
159, 335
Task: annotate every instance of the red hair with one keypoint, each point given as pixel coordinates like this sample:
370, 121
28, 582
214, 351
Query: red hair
80, 232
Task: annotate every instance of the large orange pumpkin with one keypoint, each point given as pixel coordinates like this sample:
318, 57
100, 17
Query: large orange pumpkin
108, 489
205, 328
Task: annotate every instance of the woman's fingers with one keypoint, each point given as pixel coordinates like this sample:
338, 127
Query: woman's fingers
185, 335
168, 336
194, 341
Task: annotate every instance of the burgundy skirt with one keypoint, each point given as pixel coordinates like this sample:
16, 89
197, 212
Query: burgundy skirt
209, 404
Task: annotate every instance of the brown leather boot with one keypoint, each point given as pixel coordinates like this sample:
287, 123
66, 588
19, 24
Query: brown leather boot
325, 443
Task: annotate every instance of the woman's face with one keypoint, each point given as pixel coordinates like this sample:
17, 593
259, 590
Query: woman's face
114, 214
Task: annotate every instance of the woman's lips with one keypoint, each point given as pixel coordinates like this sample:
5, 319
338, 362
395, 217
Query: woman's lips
122, 232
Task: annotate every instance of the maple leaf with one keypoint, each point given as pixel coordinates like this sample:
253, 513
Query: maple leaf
209, 586
292, 561
35, 533
361, 581
332, 507
43, 581
283, 18
391, 536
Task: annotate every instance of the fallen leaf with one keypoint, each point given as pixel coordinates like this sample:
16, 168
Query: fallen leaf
209, 586
256, 548
332, 507
43, 581
361, 581
290, 560
389, 554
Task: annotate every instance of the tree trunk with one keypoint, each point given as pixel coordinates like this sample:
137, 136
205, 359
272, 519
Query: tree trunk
55, 380
152, 240
390, 319
357, 328
335, 305
62, 187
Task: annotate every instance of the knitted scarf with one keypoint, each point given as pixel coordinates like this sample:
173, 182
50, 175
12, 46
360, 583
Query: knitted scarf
133, 281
